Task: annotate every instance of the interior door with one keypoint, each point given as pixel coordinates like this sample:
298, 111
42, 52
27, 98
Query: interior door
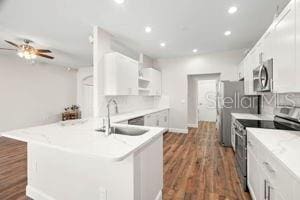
207, 100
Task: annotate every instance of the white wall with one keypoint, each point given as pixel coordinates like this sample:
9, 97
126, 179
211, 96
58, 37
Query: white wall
33, 94
174, 78
85, 91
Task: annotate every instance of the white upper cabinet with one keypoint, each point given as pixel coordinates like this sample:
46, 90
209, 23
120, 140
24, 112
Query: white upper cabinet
284, 66
282, 43
120, 75
249, 65
297, 86
241, 71
268, 44
154, 77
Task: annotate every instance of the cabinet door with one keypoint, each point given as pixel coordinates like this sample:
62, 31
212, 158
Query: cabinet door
257, 50
150, 120
285, 49
164, 119
297, 86
255, 180
232, 133
248, 70
157, 83
246, 76
241, 71
296, 190
120, 75
127, 70
268, 44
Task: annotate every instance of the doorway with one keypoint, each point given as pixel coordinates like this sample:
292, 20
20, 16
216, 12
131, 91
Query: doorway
206, 100
202, 98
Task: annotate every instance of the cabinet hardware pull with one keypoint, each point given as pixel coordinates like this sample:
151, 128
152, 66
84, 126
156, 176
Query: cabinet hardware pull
269, 168
269, 192
265, 189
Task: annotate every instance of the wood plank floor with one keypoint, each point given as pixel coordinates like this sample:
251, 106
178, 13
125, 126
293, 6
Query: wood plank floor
196, 167
13, 170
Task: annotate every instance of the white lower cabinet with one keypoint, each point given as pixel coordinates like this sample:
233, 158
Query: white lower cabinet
150, 120
255, 181
268, 179
233, 133
159, 119
163, 119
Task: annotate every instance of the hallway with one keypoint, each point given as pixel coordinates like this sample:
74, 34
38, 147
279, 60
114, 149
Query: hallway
196, 167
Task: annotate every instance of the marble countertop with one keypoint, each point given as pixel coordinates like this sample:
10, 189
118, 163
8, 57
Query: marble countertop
81, 138
252, 116
285, 145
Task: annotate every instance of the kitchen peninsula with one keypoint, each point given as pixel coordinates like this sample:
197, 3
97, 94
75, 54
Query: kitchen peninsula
76, 162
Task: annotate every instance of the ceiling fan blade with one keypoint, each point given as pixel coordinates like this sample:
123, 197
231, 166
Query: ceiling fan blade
45, 56
44, 51
11, 43
8, 49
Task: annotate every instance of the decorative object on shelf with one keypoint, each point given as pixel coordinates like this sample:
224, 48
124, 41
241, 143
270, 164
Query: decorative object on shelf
71, 113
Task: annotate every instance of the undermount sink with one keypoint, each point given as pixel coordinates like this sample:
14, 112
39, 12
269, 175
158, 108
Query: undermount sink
126, 131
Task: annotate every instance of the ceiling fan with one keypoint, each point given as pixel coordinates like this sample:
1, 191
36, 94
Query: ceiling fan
27, 51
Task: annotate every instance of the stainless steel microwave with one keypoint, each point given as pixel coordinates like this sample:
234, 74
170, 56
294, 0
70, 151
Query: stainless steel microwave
263, 77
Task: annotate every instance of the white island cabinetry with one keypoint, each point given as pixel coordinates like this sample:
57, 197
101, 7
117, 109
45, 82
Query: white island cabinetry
76, 162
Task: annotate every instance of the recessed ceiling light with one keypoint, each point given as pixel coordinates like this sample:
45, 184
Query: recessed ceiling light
162, 44
232, 10
227, 33
195, 50
119, 1
148, 29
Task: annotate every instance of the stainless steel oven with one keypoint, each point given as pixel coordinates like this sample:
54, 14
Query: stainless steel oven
241, 153
263, 77
286, 118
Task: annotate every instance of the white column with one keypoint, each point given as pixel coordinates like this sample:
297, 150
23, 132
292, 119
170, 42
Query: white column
101, 46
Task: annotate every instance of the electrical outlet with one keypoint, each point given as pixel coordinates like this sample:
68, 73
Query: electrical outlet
102, 193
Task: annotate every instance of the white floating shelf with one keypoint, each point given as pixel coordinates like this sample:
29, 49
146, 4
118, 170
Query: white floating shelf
143, 79
144, 89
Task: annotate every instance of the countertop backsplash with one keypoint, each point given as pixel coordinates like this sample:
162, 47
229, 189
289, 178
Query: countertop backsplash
271, 100
132, 103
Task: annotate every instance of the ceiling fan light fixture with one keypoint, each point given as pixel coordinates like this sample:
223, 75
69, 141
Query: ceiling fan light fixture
20, 54
28, 55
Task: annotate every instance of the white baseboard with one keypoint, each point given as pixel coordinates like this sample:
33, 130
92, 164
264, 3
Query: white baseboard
159, 196
36, 194
177, 130
192, 125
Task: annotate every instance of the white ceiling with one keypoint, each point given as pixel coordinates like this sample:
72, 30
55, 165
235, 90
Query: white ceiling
65, 25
